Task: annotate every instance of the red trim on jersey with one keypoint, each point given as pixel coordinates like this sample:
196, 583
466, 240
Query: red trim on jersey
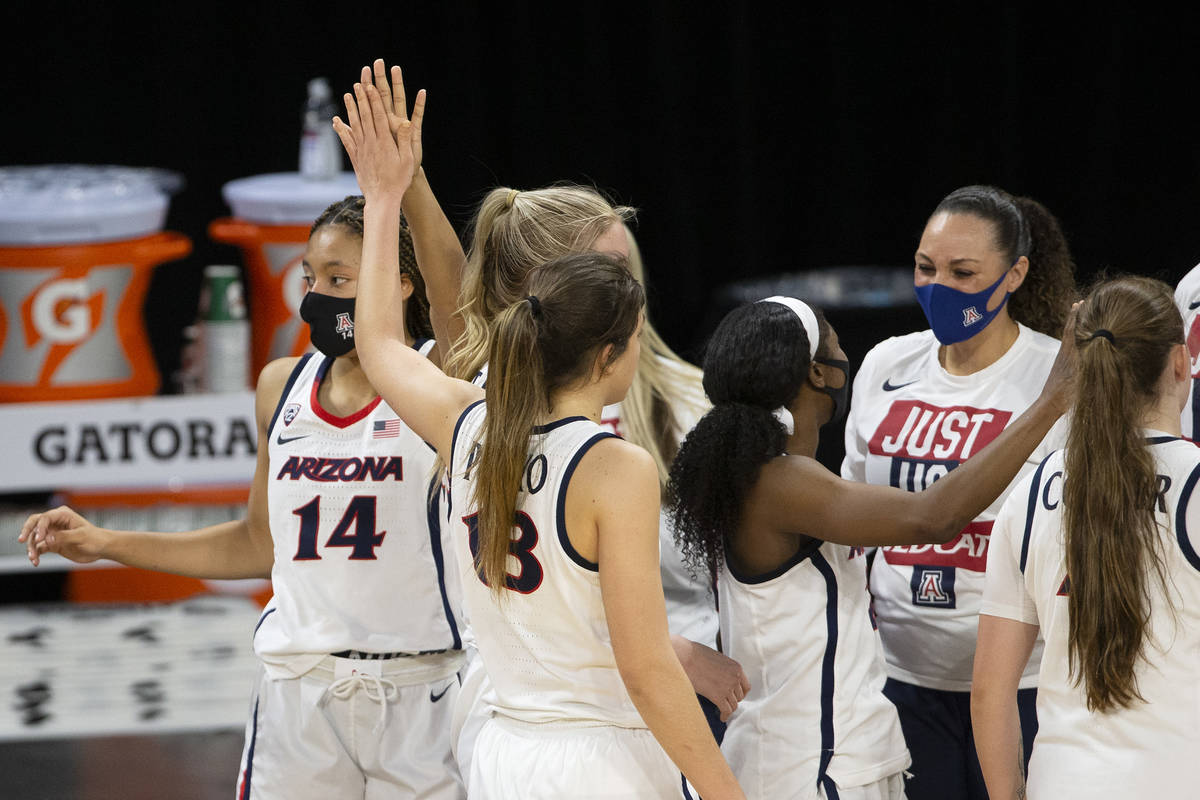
333, 419
967, 550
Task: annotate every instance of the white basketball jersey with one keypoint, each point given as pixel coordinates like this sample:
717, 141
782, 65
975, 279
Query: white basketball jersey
545, 644
1147, 750
804, 636
910, 423
691, 610
1187, 297
359, 561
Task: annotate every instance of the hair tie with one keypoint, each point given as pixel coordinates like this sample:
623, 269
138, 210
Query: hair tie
1104, 334
535, 305
508, 201
807, 318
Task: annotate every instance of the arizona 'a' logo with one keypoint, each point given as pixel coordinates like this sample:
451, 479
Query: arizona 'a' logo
1064, 589
933, 586
345, 325
970, 316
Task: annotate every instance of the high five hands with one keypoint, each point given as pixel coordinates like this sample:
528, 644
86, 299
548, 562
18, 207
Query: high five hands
383, 143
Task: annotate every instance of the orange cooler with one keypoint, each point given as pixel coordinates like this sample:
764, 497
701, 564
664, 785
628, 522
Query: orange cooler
272, 217
77, 246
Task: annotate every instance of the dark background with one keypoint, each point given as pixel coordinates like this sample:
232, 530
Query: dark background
753, 141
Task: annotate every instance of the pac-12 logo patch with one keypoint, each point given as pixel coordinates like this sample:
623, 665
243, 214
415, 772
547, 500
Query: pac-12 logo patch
345, 325
933, 586
970, 316
290, 413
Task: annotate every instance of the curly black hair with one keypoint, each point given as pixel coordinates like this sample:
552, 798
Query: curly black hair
348, 214
757, 360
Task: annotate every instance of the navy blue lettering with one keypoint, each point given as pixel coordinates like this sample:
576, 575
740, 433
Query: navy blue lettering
1046, 503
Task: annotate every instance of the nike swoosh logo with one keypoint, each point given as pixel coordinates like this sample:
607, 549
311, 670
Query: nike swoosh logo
1193, 306
888, 386
433, 698
281, 440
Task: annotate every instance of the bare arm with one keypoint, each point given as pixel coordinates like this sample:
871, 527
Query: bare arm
1001, 653
631, 586
238, 549
439, 251
427, 400
801, 496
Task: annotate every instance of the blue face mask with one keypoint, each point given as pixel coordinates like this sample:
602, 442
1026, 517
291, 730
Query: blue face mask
954, 315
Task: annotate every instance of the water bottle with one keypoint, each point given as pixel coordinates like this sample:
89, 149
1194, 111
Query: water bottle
320, 150
225, 331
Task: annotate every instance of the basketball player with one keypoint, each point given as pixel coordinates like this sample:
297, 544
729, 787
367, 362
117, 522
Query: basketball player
994, 278
360, 644
1097, 550
555, 531
787, 540
512, 233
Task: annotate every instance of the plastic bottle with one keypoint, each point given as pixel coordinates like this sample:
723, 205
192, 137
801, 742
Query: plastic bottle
320, 150
225, 331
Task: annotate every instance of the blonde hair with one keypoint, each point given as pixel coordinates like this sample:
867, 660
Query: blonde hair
514, 232
539, 346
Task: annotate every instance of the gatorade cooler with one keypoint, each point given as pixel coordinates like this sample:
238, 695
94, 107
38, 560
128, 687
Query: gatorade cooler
272, 217
77, 245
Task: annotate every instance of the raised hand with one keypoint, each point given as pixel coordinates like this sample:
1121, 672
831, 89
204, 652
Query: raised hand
61, 530
383, 162
395, 105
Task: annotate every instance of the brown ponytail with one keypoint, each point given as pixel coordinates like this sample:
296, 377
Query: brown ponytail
540, 345
1124, 332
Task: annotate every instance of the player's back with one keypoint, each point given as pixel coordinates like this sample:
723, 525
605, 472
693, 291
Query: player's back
545, 641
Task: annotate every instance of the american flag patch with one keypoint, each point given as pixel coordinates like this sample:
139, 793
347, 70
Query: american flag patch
386, 429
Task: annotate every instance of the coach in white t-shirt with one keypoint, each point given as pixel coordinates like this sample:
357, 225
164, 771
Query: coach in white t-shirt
994, 277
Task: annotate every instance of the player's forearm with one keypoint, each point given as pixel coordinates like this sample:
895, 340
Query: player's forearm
963, 494
439, 252
998, 743
223, 551
663, 696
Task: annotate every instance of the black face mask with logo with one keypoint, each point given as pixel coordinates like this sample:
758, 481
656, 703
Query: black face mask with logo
330, 322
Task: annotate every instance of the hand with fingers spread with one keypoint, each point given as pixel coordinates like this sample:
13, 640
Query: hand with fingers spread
395, 106
64, 531
383, 161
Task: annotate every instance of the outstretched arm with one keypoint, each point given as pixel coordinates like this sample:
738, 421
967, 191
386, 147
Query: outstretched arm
801, 496
237, 549
440, 255
428, 401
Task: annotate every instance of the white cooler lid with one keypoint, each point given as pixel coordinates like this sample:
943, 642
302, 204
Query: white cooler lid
56, 204
285, 198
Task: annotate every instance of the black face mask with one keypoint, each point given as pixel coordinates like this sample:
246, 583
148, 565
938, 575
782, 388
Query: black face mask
840, 395
330, 322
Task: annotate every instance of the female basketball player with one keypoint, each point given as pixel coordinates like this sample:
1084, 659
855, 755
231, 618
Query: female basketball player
994, 277
787, 538
1097, 550
360, 644
513, 232
567, 608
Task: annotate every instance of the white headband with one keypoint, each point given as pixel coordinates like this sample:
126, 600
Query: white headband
807, 318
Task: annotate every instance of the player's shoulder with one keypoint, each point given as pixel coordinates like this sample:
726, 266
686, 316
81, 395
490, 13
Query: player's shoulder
1188, 289
1039, 343
899, 347
275, 375
610, 463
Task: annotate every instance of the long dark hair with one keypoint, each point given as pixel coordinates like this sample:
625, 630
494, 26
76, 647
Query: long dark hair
1125, 331
1024, 227
757, 360
538, 346
348, 214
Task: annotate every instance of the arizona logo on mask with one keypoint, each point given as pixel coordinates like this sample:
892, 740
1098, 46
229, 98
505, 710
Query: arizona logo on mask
345, 326
971, 316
